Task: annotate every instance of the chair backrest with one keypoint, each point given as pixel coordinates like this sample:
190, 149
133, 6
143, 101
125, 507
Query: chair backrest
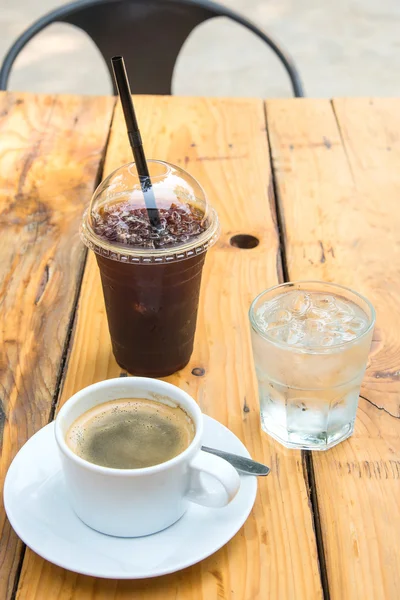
148, 33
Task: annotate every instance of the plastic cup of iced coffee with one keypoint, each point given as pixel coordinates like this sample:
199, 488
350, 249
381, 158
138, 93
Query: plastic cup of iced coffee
151, 278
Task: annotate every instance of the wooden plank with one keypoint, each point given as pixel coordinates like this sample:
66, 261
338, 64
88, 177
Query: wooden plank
223, 144
338, 178
50, 152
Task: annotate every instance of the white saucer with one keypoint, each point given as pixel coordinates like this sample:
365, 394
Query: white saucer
37, 507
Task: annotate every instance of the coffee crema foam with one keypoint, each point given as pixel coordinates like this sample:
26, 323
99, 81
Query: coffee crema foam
130, 433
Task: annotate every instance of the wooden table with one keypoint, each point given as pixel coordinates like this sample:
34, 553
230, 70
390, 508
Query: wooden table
318, 184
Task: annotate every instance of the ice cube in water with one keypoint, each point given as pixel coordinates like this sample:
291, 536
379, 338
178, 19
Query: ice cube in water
300, 303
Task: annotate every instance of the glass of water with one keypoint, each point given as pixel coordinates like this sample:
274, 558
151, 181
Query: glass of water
310, 344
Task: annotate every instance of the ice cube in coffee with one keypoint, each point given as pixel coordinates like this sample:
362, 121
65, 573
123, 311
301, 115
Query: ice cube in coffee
151, 278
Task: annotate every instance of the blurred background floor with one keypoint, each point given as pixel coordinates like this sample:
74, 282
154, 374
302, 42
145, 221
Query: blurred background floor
341, 47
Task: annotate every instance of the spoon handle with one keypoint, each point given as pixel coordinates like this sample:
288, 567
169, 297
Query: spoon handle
241, 464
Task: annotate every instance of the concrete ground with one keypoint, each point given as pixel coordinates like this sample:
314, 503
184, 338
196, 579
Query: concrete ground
341, 47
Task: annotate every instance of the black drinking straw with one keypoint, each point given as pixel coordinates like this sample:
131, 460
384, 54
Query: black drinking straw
135, 139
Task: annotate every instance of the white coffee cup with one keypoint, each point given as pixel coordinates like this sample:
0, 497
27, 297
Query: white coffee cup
136, 502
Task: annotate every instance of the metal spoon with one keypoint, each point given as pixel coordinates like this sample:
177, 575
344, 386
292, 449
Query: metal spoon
241, 464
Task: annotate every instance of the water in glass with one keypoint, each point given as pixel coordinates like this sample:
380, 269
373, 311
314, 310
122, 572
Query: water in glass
310, 350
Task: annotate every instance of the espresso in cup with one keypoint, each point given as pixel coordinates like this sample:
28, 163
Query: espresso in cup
130, 433
129, 423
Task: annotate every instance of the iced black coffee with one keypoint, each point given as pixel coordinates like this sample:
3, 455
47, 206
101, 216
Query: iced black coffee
151, 278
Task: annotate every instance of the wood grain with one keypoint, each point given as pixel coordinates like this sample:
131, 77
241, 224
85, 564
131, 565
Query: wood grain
50, 152
223, 144
338, 178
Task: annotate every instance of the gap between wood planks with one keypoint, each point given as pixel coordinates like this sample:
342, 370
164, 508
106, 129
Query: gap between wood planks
308, 467
65, 352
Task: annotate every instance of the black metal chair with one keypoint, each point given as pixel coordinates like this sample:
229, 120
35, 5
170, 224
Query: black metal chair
148, 33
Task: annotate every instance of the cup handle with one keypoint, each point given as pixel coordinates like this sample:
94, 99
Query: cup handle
221, 470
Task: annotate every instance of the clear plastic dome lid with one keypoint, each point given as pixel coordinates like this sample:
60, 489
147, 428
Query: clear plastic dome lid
117, 223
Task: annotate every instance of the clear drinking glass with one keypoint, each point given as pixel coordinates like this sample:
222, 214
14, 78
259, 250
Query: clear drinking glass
310, 342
